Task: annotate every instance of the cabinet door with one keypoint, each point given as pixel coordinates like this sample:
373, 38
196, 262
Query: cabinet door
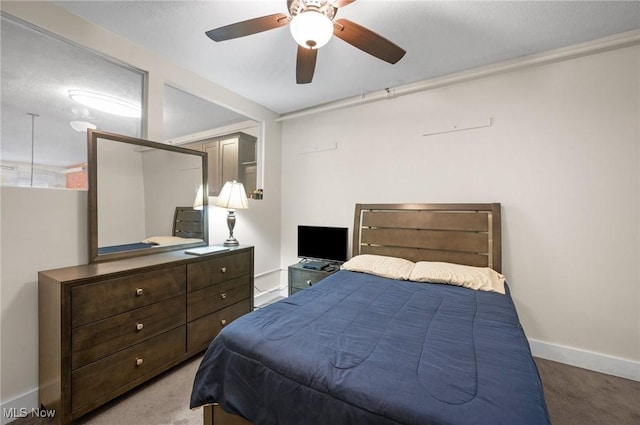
229, 160
231, 157
249, 178
214, 172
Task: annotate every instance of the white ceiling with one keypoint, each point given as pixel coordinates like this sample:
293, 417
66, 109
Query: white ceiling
440, 37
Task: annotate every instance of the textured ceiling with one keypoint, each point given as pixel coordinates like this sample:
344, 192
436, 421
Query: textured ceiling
440, 37
37, 73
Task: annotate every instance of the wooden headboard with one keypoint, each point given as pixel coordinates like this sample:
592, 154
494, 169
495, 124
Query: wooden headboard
188, 223
467, 234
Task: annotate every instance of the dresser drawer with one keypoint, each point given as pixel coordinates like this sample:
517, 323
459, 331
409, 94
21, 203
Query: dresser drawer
201, 332
101, 378
99, 339
216, 297
107, 298
207, 273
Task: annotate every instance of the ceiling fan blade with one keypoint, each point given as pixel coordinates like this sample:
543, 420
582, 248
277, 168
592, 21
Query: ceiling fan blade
305, 65
367, 41
341, 3
248, 27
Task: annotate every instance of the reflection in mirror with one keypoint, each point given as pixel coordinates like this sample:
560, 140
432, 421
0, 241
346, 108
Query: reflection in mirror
232, 141
141, 197
43, 127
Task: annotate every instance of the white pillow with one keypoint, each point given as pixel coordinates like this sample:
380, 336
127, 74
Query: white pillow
478, 278
379, 265
170, 240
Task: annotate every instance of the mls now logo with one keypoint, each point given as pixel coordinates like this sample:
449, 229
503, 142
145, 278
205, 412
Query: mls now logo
23, 412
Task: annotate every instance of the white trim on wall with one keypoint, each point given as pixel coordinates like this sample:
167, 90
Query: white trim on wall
617, 41
585, 359
15, 408
275, 282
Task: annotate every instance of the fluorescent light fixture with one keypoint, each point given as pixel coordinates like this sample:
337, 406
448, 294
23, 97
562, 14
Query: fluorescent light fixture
82, 126
311, 29
106, 103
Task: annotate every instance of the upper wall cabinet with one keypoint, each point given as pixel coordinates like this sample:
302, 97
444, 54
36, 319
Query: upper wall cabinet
230, 157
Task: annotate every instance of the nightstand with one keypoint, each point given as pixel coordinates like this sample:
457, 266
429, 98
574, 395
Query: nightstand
301, 278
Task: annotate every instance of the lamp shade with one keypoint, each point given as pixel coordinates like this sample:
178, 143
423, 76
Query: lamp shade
198, 203
233, 197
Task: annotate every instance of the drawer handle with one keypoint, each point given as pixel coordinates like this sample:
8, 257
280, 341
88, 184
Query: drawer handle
139, 326
309, 282
223, 270
223, 322
139, 361
139, 291
223, 296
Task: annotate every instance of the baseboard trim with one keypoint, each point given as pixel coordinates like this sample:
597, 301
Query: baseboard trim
271, 281
598, 362
19, 406
268, 297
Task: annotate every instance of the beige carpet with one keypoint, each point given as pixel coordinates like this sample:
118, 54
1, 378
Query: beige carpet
574, 397
162, 401
581, 397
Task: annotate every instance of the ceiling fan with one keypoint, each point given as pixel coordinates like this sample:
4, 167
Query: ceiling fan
312, 25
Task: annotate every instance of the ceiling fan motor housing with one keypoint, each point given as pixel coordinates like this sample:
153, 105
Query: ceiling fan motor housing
297, 7
312, 25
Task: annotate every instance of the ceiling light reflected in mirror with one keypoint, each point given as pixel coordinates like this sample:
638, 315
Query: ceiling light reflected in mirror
106, 103
82, 126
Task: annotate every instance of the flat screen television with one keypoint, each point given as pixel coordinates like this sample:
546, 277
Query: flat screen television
322, 243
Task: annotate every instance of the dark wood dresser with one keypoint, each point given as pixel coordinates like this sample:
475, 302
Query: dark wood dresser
107, 327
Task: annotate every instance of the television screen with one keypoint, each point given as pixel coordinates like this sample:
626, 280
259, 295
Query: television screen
322, 243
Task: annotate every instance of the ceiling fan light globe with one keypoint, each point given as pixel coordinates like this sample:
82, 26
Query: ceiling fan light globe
311, 29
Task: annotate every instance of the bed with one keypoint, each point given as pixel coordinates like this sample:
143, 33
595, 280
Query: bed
187, 228
372, 344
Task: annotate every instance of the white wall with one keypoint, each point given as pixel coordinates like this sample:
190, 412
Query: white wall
561, 156
121, 208
43, 229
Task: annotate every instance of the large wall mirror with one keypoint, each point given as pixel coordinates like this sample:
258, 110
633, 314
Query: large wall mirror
199, 124
49, 93
142, 196
44, 127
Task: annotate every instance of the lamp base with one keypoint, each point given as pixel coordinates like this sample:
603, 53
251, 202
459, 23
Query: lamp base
231, 241
231, 222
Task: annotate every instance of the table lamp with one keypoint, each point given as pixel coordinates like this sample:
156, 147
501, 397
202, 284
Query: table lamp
232, 197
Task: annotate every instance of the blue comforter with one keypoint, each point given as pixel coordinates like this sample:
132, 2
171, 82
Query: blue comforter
361, 349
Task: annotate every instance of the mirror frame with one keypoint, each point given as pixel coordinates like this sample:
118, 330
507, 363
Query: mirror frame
93, 137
